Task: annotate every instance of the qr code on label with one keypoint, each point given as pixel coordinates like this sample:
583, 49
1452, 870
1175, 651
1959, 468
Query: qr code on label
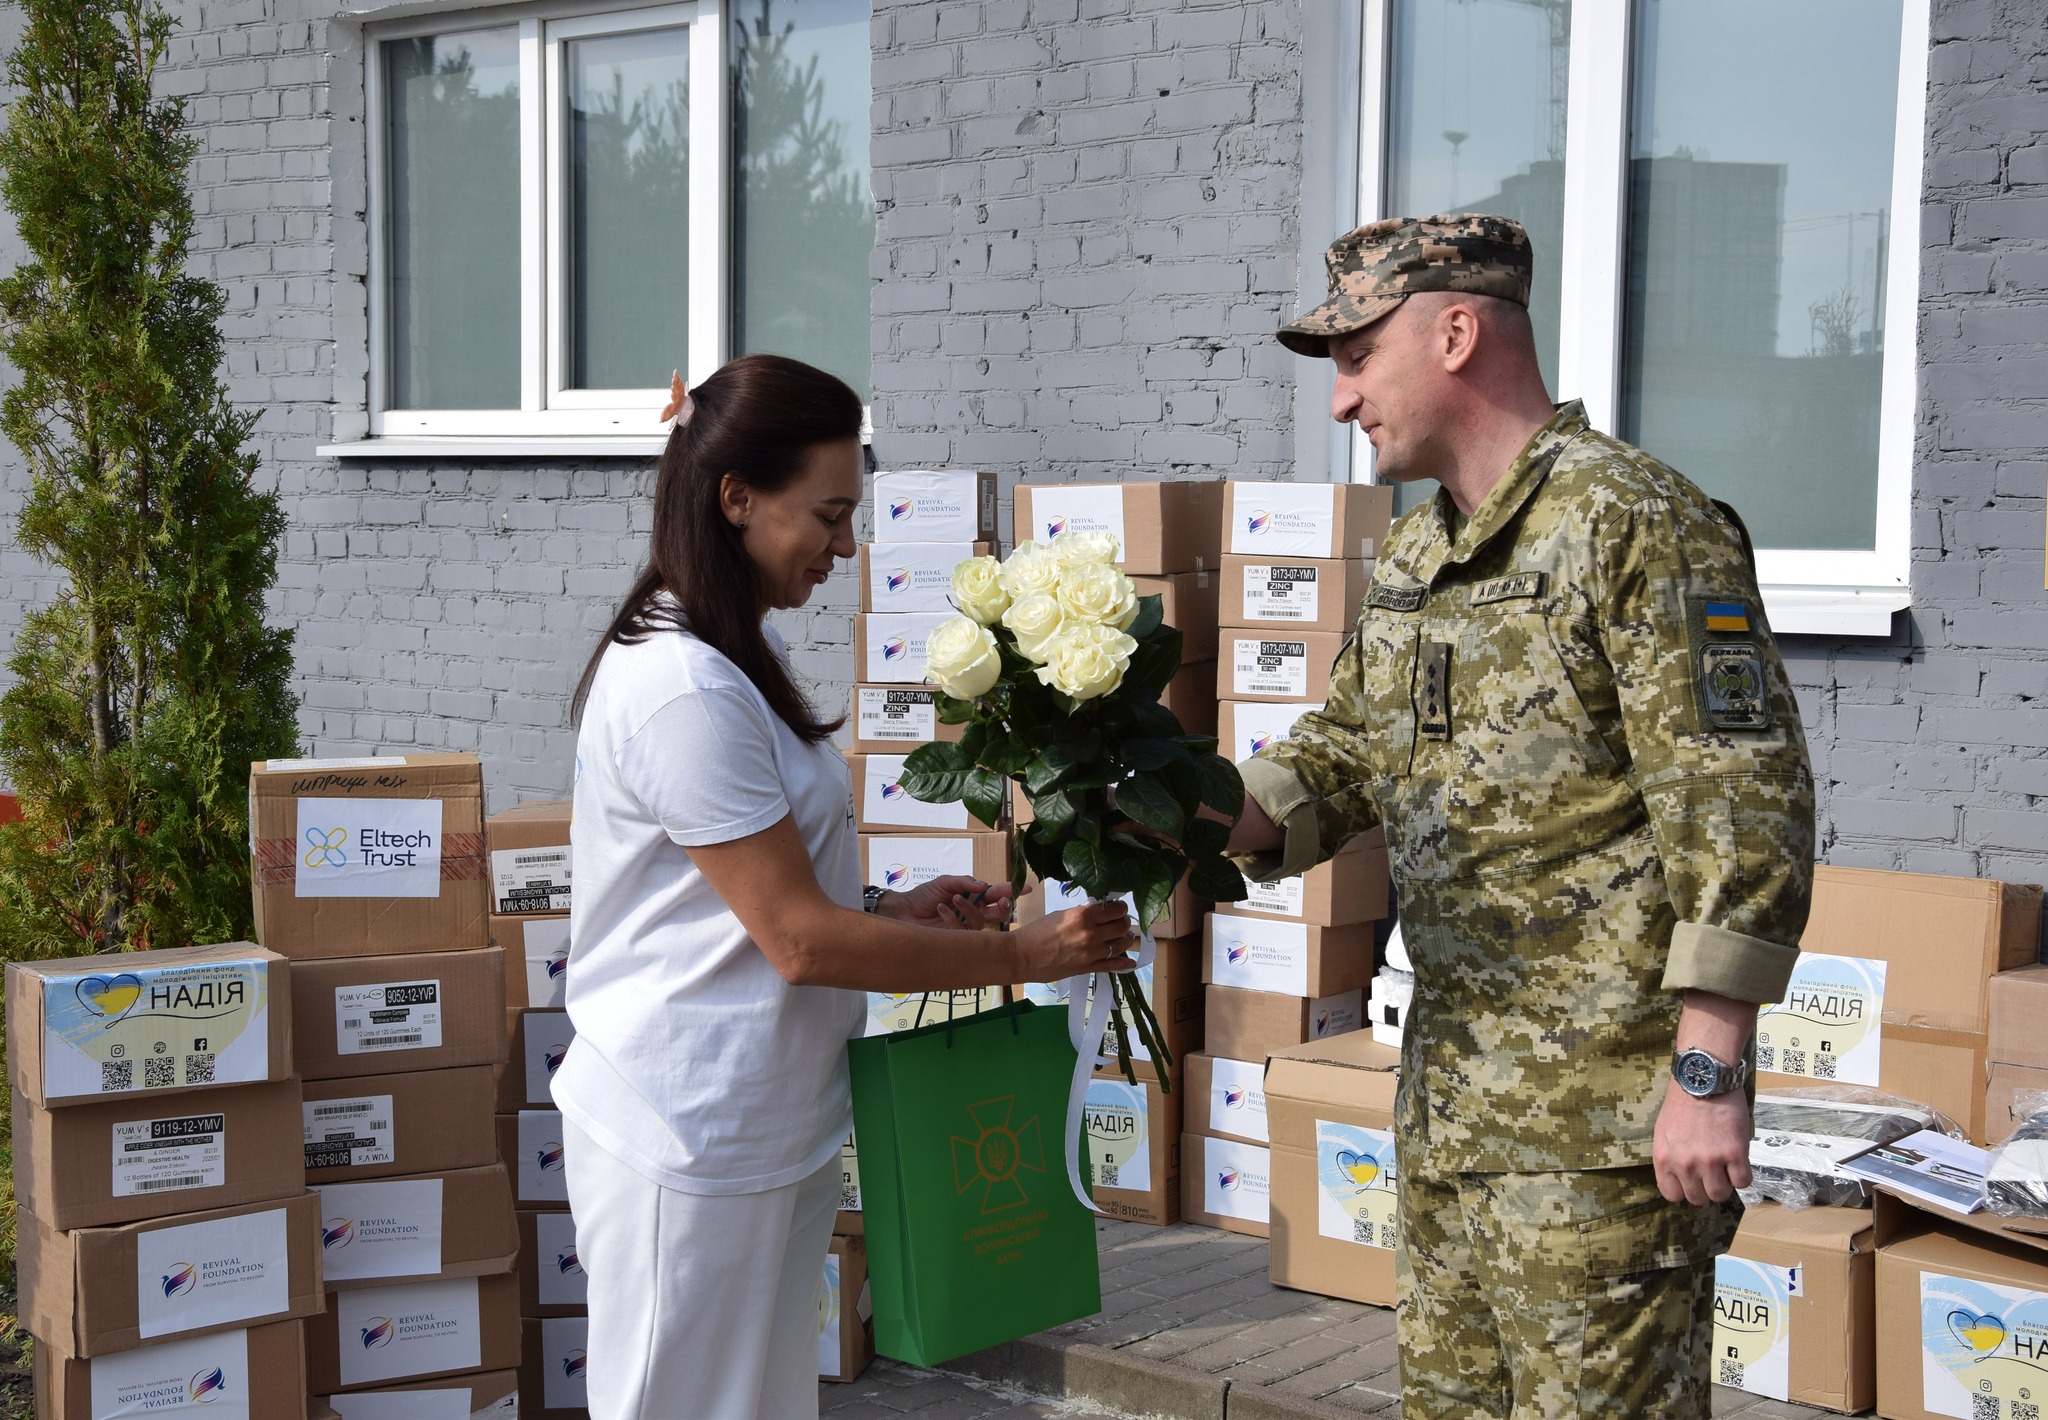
1106, 1176
199, 1068
1767, 1057
1983, 1407
2025, 1410
1387, 1236
117, 1074
1823, 1067
849, 1200
1731, 1372
158, 1072
1795, 1062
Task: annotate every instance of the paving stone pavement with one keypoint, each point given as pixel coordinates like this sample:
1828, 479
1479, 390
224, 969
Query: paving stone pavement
1191, 1327
888, 1391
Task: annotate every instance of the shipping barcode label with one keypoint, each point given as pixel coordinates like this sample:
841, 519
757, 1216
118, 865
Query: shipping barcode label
1280, 593
897, 714
168, 1155
349, 1133
1261, 667
531, 879
389, 1015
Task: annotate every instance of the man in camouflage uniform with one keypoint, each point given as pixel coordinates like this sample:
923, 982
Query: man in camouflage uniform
1563, 702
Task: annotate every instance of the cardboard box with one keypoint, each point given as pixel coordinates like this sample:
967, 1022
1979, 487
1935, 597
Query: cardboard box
95, 1291
551, 1277
1893, 986
1275, 665
1309, 520
1131, 1143
913, 576
551, 1374
896, 719
882, 805
1290, 958
1161, 527
493, 1395
2008, 1085
531, 1144
373, 1336
398, 865
1191, 696
536, 959
1795, 1308
2018, 1000
419, 1011
1173, 986
1247, 726
452, 1224
1955, 1301
530, 857
539, 1044
1306, 594
147, 1023
888, 647
1226, 1184
1188, 601
1226, 1097
935, 505
265, 1365
902, 861
1352, 887
846, 1312
1330, 1107
122, 1160
388, 1126
1250, 1025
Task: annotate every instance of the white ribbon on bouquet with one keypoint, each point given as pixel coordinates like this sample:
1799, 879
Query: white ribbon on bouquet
1090, 998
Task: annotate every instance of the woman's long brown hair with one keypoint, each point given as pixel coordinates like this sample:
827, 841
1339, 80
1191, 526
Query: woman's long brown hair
757, 418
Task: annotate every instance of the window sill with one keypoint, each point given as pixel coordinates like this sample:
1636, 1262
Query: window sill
1834, 611
421, 446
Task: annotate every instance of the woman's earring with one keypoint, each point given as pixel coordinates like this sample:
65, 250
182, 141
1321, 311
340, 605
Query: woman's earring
741, 524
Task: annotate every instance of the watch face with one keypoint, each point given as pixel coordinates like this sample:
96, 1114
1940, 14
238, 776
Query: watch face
1697, 1073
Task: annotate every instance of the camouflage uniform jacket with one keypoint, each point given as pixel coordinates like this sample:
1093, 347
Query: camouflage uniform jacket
1575, 726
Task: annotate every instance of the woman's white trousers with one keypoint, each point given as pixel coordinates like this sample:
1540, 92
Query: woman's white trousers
701, 1306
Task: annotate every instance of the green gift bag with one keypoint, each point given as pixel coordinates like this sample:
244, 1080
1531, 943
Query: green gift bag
974, 1237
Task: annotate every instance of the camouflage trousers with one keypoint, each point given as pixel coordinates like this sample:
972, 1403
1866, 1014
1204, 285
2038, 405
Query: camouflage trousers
1551, 1296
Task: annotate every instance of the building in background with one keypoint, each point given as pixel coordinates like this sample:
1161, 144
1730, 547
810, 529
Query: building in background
1798, 247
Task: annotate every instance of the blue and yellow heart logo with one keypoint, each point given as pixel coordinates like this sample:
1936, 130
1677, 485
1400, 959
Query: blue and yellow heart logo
1980, 1331
1362, 1169
109, 997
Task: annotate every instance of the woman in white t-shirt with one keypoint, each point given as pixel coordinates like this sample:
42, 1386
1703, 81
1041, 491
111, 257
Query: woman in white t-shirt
721, 946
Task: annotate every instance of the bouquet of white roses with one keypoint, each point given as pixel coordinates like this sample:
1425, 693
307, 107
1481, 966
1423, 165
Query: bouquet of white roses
1055, 666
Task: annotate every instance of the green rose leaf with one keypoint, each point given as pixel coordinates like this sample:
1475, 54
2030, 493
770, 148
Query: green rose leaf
938, 758
1153, 664
1222, 788
1205, 838
1149, 754
1087, 867
953, 712
983, 795
1152, 804
1216, 879
1159, 873
974, 739
1007, 755
1151, 615
1055, 810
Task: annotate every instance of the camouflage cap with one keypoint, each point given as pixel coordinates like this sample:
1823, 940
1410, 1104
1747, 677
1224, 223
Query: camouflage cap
1374, 268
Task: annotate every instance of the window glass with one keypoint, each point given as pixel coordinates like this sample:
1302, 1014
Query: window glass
1475, 123
1759, 224
627, 224
452, 243
803, 218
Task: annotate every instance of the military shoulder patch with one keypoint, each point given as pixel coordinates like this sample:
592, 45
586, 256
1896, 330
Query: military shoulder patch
1504, 589
1396, 598
1732, 686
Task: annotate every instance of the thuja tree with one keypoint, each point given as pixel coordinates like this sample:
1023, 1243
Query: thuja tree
145, 687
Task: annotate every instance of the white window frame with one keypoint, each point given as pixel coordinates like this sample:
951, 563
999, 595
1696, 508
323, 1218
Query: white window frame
550, 418
1806, 590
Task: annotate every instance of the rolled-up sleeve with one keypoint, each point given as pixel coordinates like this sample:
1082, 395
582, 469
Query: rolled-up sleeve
1731, 806
1312, 784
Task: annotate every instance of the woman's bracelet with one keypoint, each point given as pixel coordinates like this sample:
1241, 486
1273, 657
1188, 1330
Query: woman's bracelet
871, 898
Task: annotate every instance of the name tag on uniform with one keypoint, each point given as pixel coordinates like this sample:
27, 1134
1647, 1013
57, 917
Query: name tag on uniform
1396, 598
1507, 589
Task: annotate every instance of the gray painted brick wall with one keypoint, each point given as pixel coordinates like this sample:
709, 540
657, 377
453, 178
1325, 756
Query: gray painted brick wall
1087, 227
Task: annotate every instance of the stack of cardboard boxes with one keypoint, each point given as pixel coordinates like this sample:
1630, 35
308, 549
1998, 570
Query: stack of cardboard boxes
2018, 1046
531, 886
167, 1246
370, 877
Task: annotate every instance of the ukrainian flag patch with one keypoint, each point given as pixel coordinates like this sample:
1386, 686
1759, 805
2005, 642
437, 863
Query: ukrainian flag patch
1727, 616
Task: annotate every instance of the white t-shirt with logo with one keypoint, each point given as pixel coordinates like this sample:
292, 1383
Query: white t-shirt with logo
694, 1062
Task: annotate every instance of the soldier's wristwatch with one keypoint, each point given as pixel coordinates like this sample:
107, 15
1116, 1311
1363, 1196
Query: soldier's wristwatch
1702, 1076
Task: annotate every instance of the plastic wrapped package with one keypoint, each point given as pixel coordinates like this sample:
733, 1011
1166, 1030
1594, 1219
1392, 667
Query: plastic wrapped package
2016, 1173
1801, 1136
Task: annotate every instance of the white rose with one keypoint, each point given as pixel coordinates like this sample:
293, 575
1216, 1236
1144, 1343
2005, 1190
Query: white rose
1029, 569
1094, 592
1034, 620
1078, 547
1087, 661
960, 657
978, 589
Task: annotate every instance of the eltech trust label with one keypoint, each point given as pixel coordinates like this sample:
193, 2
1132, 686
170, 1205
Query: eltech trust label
368, 848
